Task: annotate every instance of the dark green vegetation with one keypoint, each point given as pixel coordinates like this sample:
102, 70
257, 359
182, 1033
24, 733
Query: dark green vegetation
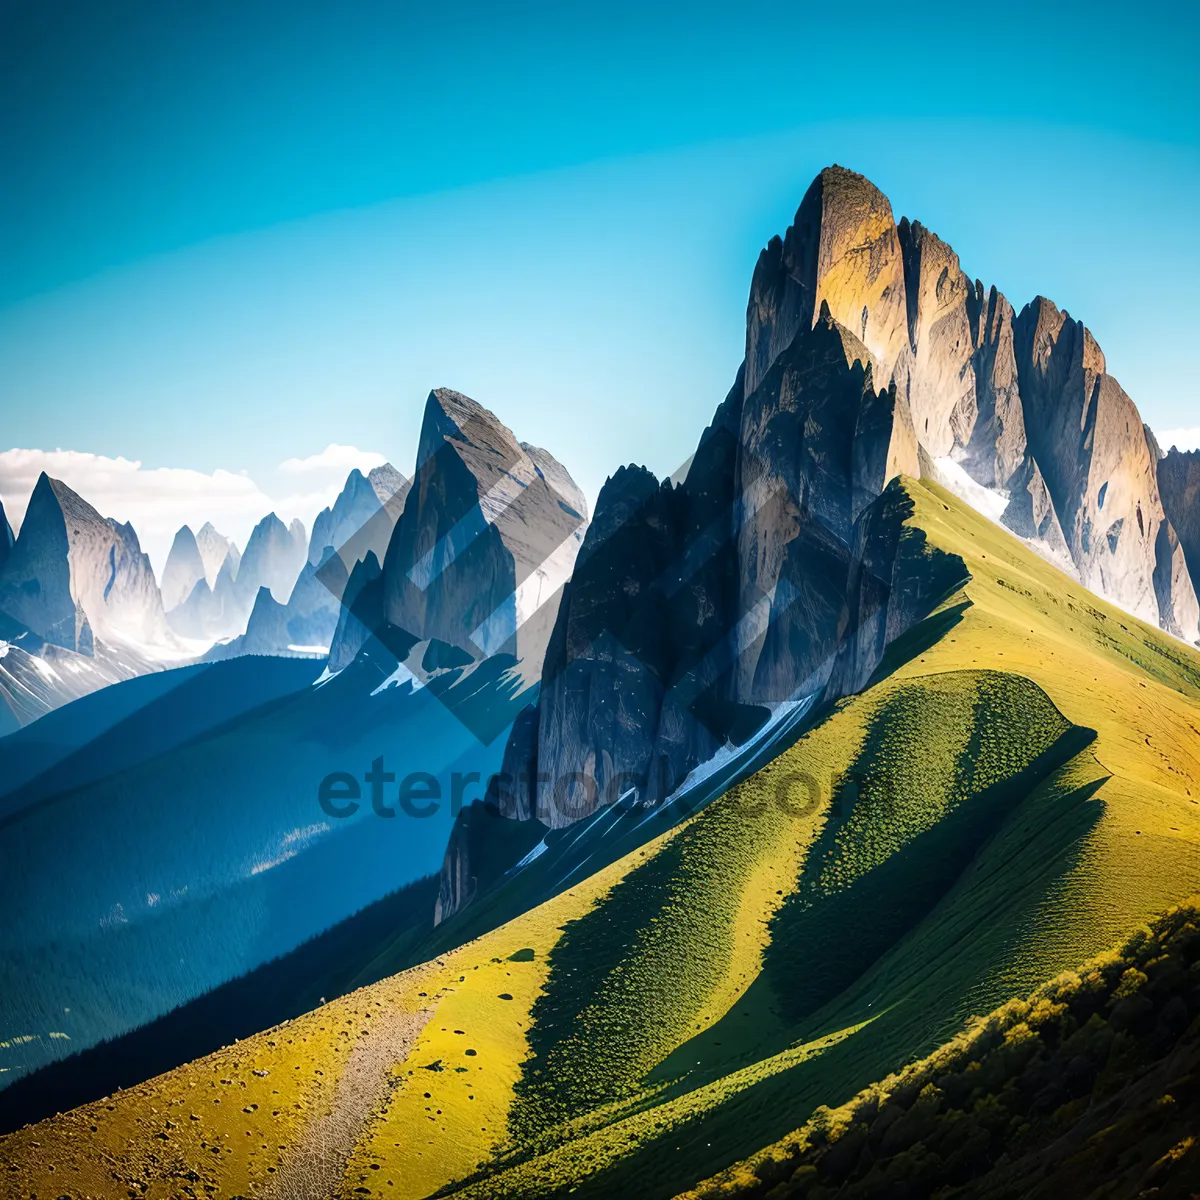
1090, 1087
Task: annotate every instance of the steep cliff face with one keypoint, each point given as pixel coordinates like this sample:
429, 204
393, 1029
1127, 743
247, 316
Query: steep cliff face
994, 447
489, 533
697, 608
73, 576
938, 375
1179, 488
1100, 470
843, 248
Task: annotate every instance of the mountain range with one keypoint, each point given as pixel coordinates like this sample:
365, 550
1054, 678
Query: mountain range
879, 715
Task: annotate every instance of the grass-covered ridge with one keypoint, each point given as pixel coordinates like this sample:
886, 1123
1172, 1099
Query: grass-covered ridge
1092, 1082
1018, 789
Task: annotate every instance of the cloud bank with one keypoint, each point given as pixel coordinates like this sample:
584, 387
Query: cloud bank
159, 500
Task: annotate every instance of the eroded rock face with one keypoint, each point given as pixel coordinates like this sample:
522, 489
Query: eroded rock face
939, 376
1179, 488
994, 447
73, 576
1088, 439
842, 249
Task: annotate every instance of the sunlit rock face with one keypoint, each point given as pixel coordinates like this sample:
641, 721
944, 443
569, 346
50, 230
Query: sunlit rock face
1100, 470
843, 249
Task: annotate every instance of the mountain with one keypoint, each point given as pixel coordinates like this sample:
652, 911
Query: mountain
1011, 793
73, 576
869, 353
215, 548
212, 613
272, 559
362, 518
79, 606
221, 611
184, 569
488, 534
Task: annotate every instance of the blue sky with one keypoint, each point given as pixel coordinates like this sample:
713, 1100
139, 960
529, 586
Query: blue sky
233, 234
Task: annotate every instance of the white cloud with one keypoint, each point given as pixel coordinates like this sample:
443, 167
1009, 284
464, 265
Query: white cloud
1181, 439
342, 459
159, 500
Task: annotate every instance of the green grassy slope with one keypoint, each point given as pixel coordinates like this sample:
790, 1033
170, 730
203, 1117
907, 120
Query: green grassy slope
1016, 791
1089, 1087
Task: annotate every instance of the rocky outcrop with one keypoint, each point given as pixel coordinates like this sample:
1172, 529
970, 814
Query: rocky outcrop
1100, 471
695, 608
1179, 488
72, 576
842, 249
183, 570
489, 533
994, 448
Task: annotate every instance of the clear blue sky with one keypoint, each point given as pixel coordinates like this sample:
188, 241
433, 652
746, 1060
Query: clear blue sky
231, 233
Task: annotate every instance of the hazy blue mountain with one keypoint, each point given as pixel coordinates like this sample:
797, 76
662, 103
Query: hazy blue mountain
183, 570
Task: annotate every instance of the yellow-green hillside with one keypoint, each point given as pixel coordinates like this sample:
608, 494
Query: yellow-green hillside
1004, 801
1090, 1087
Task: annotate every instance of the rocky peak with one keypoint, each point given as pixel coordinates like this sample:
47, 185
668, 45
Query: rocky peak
388, 484
1101, 471
273, 558
843, 249
489, 533
183, 570
214, 549
72, 575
